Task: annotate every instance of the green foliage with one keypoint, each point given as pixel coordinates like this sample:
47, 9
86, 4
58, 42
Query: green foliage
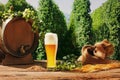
23, 9
17, 5
113, 22
100, 27
98, 17
106, 24
40, 52
30, 14
68, 63
2, 8
53, 20
80, 23
27, 14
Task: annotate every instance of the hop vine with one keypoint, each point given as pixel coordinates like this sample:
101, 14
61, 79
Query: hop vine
27, 14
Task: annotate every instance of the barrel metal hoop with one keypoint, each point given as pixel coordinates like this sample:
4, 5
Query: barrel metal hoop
3, 27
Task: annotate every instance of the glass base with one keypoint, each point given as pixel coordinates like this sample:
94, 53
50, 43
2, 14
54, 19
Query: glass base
50, 68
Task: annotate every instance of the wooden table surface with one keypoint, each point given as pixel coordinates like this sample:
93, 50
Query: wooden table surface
37, 71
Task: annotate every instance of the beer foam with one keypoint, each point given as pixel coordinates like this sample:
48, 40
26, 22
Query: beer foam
51, 38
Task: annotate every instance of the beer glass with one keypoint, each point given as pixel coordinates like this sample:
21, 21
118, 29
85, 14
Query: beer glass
51, 44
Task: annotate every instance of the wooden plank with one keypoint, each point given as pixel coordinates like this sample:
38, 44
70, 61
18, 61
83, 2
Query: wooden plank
37, 71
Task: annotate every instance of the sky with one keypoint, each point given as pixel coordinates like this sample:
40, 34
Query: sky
64, 5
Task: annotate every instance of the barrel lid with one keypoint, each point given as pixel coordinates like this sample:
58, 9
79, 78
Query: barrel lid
18, 37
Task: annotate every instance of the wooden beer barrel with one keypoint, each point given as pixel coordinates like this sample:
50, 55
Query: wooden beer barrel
17, 37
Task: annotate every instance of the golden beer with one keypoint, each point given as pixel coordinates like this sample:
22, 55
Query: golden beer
51, 43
